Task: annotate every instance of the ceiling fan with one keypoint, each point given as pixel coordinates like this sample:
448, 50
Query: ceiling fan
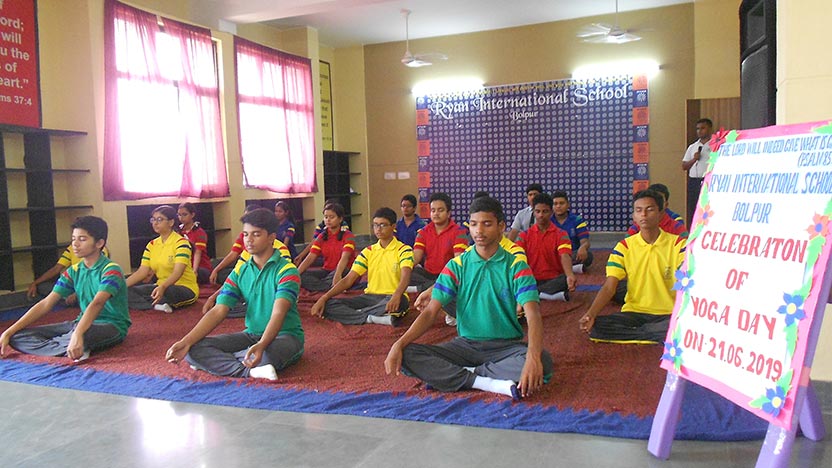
601, 33
416, 60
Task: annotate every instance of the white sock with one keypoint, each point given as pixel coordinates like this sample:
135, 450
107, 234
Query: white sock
450, 321
487, 384
470, 369
263, 372
380, 320
554, 297
412, 289
579, 268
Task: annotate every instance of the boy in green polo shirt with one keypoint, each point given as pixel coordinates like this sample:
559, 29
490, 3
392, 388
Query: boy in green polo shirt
487, 282
388, 264
273, 338
102, 295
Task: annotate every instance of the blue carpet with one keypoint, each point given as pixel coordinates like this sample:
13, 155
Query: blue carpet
705, 416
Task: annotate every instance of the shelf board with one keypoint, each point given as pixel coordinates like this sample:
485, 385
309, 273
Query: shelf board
351, 153
51, 132
30, 248
221, 230
50, 208
23, 170
334, 195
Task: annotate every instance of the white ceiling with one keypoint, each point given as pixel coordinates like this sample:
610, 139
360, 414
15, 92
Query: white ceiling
343, 23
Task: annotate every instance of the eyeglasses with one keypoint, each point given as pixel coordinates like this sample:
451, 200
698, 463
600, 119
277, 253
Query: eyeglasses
158, 220
381, 226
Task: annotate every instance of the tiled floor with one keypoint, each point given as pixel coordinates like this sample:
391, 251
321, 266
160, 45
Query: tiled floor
47, 427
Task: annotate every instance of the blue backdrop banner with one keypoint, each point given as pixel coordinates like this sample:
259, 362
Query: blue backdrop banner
587, 137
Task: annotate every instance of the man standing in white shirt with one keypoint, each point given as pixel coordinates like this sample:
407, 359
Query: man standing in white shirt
695, 163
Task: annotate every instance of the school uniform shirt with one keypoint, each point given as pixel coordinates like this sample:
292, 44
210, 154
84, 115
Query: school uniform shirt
440, 247
666, 224
287, 229
544, 249
161, 256
68, 258
407, 234
486, 292
523, 219
105, 275
199, 241
575, 227
322, 225
650, 271
331, 248
278, 279
383, 266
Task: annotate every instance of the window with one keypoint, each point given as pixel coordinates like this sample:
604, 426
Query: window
162, 130
275, 107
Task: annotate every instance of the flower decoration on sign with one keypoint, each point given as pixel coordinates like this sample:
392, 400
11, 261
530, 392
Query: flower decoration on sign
683, 281
673, 353
717, 139
819, 226
775, 400
707, 214
792, 309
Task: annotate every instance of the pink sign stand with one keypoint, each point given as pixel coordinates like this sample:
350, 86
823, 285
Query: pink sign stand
726, 333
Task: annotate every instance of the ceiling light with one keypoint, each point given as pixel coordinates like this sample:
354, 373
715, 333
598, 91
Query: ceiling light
447, 85
625, 67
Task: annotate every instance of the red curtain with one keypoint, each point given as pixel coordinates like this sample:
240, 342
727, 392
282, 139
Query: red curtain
275, 108
162, 132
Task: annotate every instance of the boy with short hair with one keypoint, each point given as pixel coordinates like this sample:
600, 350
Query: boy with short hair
387, 263
649, 261
437, 243
576, 227
489, 354
549, 251
410, 223
525, 217
273, 337
670, 222
99, 285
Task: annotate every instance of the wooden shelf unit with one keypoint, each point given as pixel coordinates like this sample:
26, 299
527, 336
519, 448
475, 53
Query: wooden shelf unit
34, 171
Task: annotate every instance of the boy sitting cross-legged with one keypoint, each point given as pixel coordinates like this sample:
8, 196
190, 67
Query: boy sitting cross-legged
387, 263
273, 338
102, 296
489, 354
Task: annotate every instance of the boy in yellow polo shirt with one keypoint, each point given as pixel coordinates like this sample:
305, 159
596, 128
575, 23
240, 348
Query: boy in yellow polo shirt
648, 260
388, 264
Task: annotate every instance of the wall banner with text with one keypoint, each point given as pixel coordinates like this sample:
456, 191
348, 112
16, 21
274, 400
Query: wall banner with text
19, 83
756, 257
587, 137
327, 124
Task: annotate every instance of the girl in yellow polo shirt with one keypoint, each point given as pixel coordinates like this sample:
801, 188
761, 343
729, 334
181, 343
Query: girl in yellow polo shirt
169, 258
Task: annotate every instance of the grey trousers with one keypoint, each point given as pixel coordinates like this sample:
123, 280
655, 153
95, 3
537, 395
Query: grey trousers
354, 310
587, 262
443, 366
553, 286
138, 296
53, 340
630, 326
223, 354
317, 280
420, 278
424, 280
